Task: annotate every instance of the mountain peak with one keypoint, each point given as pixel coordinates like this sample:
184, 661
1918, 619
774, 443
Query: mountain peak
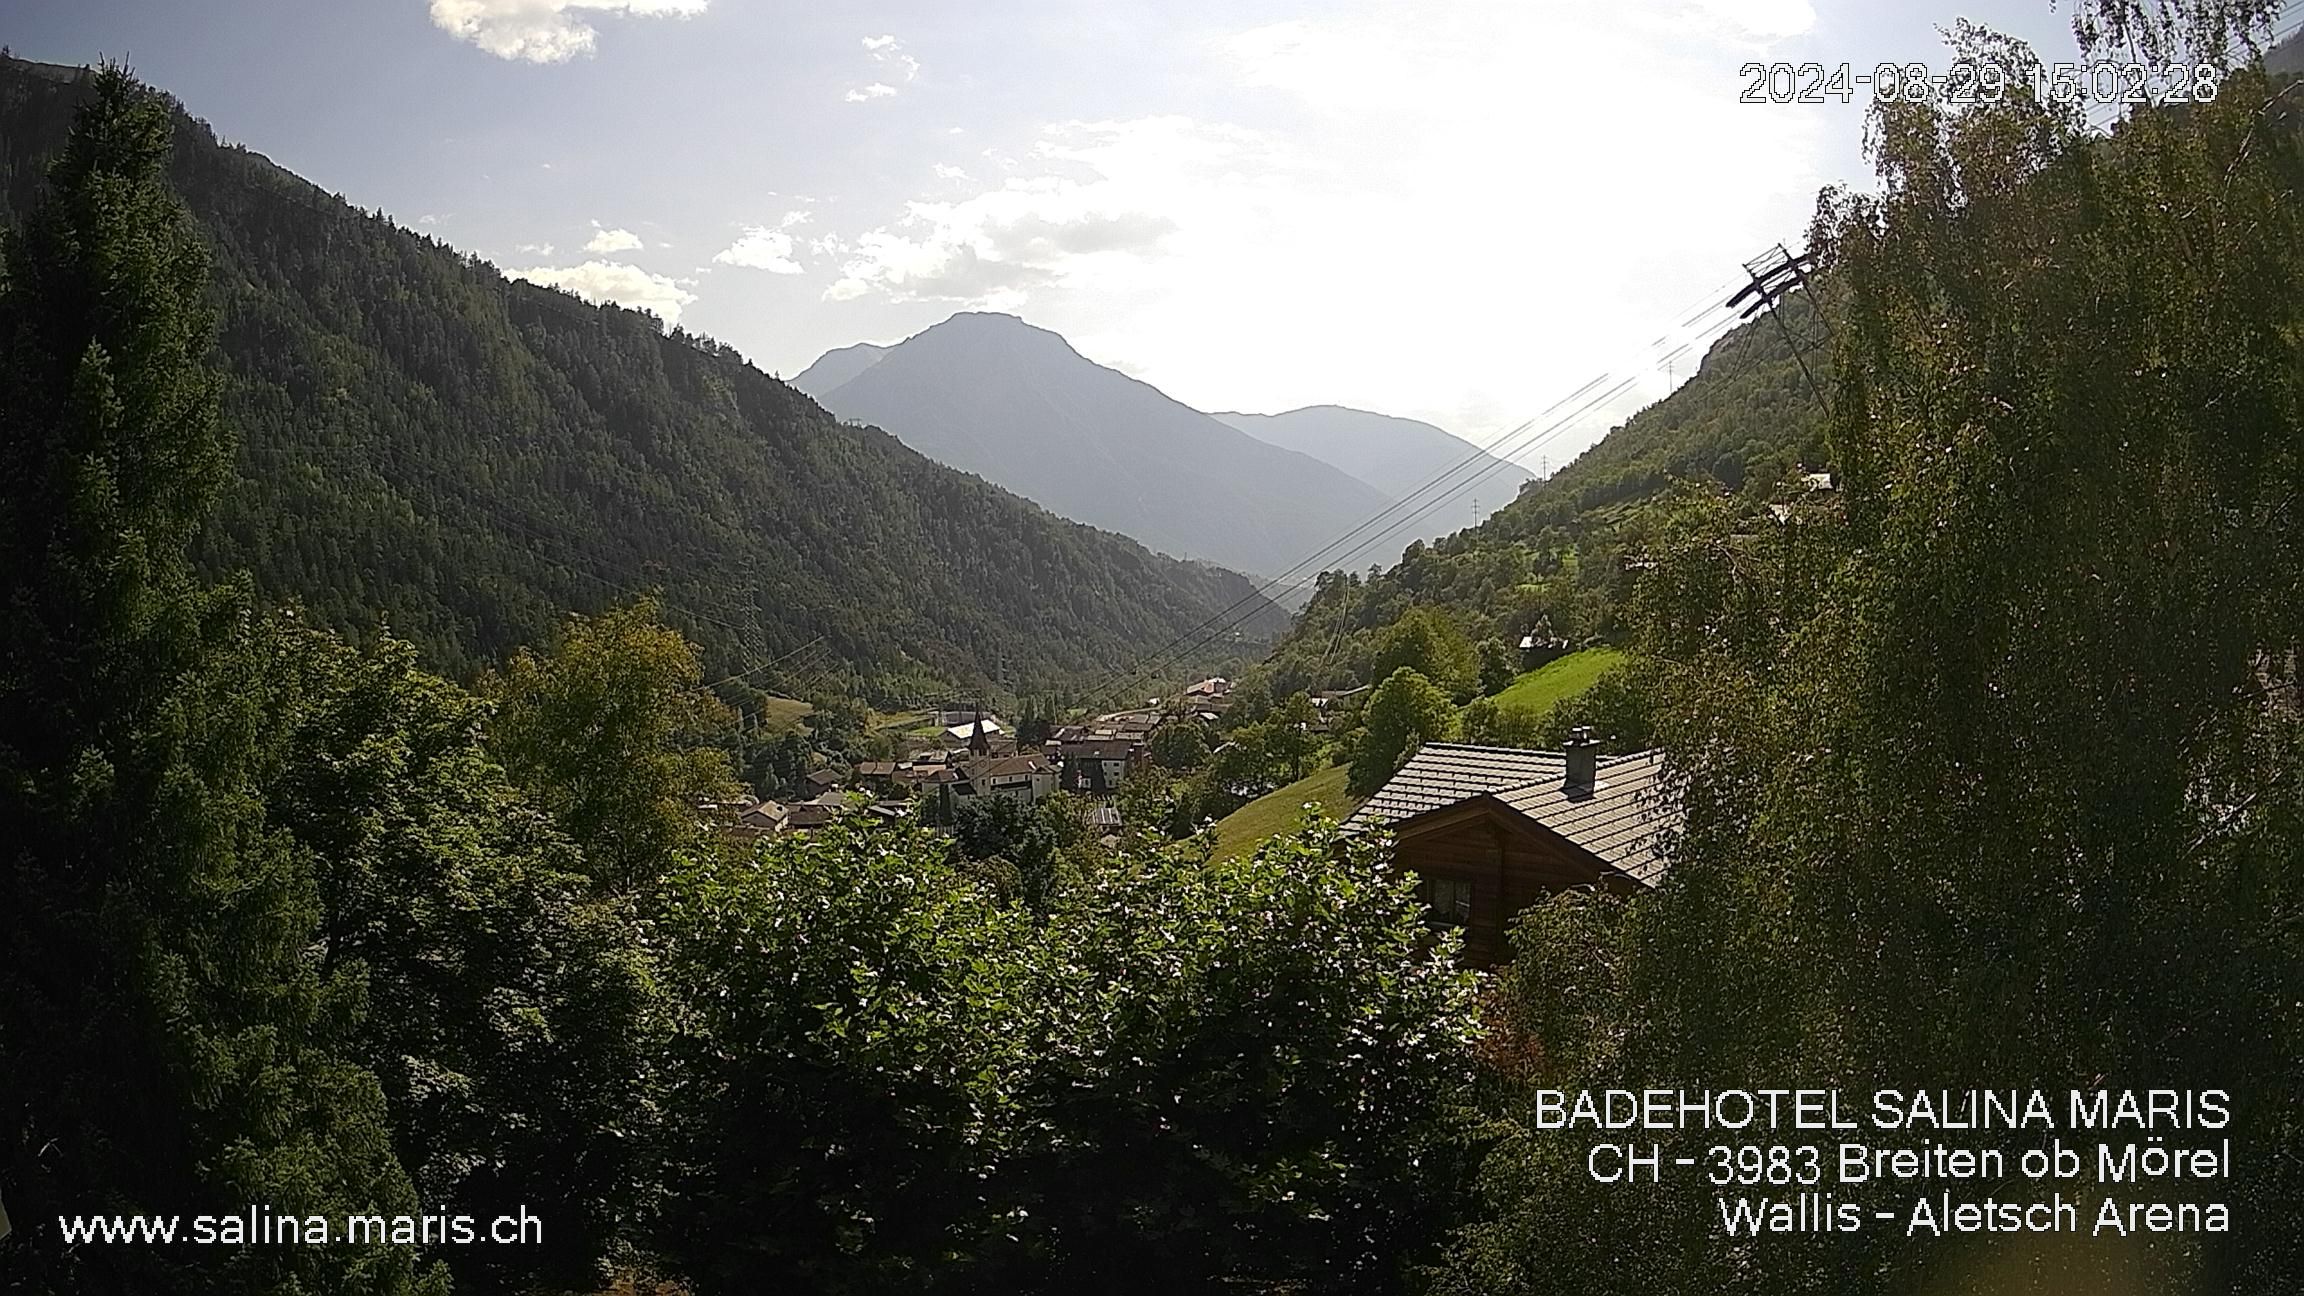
989, 393
993, 329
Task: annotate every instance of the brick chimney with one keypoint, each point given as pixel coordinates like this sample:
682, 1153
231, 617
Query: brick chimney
1583, 757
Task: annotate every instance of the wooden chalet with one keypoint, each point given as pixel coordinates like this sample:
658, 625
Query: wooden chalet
1489, 831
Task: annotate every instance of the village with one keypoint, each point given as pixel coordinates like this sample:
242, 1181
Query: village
962, 754
1488, 830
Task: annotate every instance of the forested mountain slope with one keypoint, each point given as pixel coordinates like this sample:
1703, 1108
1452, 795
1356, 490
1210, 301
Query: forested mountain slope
992, 394
1744, 422
467, 457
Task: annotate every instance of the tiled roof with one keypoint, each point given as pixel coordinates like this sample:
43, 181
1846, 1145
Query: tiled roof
1623, 819
1442, 774
1005, 766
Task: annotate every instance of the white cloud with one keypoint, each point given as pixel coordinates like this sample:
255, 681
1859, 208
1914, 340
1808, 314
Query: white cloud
611, 240
893, 64
1765, 19
544, 31
1101, 194
945, 171
760, 248
793, 219
1420, 222
536, 249
614, 281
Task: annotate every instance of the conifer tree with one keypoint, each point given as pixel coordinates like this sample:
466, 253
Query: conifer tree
167, 1045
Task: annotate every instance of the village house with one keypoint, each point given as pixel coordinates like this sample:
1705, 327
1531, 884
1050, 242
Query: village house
960, 717
1127, 724
1208, 695
1329, 704
818, 781
1489, 831
813, 814
978, 734
1540, 647
1097, 765
761, 819
1025, 779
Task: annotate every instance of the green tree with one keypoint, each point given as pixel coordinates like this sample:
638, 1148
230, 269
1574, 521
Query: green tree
1239, 771
1404, 712
1249, 1070
168, 1042
1428, 641
1487, 723
1997, 777
772, 763
511, 1016
839, 724
1180, 744
1499, 666
1031, 841
855, 1021
1288, 736
612, 735
1185, 1076
1250, 700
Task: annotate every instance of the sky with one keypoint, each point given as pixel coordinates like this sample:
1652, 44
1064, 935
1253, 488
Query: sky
1454, 210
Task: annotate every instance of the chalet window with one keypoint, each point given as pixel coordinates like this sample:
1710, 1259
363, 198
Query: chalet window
1450, 901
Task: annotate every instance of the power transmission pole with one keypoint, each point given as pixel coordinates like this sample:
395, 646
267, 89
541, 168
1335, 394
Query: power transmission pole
1774, 274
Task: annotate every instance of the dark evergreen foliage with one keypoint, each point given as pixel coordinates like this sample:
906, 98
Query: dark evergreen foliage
167, 1044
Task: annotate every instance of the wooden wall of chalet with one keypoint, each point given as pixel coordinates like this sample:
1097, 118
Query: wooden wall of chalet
1510, 862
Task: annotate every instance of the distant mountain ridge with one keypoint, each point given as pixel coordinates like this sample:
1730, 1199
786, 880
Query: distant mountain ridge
465, 458
836, 367
1015, 403
1397, 456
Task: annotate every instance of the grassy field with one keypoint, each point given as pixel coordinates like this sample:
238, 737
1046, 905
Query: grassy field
1538, 690
779, 714
1281, 811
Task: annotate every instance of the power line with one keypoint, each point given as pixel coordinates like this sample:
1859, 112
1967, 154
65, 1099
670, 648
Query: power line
1527, 440
1540, 436
1485, 460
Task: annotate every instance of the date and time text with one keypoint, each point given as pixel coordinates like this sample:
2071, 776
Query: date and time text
1968, 83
